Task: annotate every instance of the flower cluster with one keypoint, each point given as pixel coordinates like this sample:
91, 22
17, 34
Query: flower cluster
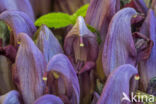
36, 69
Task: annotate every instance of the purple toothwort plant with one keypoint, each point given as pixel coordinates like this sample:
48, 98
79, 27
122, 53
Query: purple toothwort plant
105, 58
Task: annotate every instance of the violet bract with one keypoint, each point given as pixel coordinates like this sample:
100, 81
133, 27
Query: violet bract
18, 22
119, 46
30, 67
47, 43
62, 79
117, 83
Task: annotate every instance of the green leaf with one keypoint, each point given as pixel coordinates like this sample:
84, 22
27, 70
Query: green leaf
54, 20
60, 20
80, 12
4, 33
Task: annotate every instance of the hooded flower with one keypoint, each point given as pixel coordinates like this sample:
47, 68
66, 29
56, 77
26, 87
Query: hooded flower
12, 97
62, 79
81, 46
119, 46
100, 13
30, 67
118, 83
147, 67
18, 22
48, 99
47, 42
19, 5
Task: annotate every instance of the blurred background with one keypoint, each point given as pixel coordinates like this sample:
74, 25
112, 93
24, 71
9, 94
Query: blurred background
45, 6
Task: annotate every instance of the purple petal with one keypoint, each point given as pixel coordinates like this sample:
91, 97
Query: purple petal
30, 67
117, 83
100, 13
48, 99
47, 43
18, 22
20, 5
147, 67
61, 65
119, 46
12, 97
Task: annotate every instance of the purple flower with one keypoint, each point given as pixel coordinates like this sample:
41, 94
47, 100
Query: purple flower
30, 67
62, 79
18, 22
117, 83
119, 47
81, 46
47, 42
